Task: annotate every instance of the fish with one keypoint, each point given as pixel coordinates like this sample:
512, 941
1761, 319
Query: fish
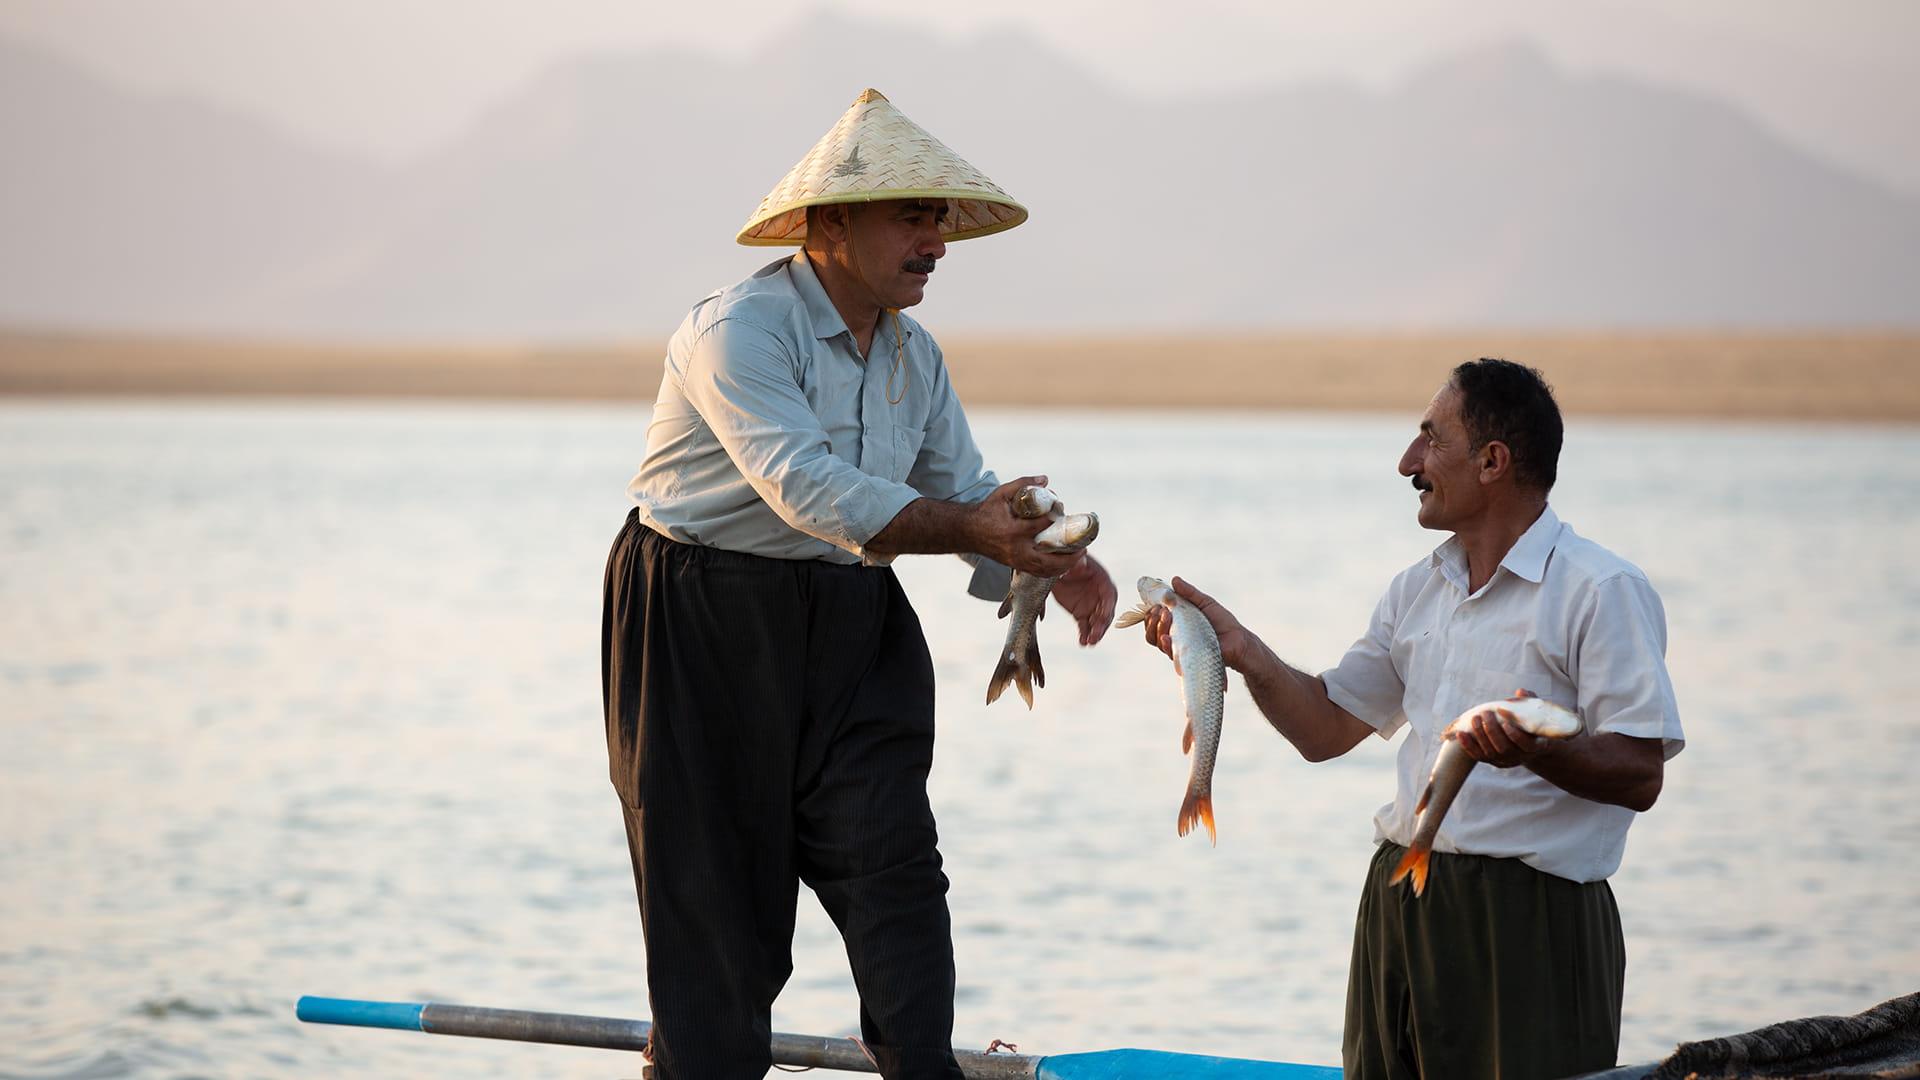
1026, 600
1535, 715
1203, 688
1035, 501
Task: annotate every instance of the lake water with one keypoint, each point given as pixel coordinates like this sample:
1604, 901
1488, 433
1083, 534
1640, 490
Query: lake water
302, 698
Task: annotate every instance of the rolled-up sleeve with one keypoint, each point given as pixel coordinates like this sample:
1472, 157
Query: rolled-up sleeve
744, 381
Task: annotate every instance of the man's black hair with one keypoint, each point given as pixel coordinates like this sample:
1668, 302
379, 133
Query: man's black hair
1501, 401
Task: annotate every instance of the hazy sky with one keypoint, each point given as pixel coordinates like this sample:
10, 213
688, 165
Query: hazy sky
392, 77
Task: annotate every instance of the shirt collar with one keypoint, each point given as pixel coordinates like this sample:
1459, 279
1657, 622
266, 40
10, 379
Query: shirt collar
826, 318
1526, 559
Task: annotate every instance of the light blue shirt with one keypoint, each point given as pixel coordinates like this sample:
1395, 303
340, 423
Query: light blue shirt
1562, 617
773, 436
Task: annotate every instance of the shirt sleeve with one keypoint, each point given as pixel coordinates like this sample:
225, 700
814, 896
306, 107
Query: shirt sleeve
949, 465
1623, 682
1365, 682
742, 379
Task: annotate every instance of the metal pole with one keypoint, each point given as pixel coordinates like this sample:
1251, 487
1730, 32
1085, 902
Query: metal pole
608, 1033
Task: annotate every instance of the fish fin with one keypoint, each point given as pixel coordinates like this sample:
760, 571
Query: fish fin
1413, 863
1198, 808
1186, 739
1024, 673
1006, 606
1131, 616
1002, 675
1425, 796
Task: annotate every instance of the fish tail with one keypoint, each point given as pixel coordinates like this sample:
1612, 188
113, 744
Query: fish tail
1197, 807
1002, 675
1414, 864
1023, 672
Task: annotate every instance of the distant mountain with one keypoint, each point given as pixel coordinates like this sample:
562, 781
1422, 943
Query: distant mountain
601, 199
127, 212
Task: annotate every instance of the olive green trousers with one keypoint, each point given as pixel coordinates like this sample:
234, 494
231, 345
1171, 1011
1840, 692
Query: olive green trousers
1497, 972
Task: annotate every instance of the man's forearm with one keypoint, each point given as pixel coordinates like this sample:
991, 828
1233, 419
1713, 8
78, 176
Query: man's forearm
936, 527
1297, 706
1619, 770
929, 527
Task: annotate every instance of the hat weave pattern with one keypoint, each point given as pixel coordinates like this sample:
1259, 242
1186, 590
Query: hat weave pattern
874, 152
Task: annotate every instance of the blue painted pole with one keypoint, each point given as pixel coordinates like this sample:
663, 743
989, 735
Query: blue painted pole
377, 1014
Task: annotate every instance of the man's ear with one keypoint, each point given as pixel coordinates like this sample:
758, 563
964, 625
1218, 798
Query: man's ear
1495, 461
831, 221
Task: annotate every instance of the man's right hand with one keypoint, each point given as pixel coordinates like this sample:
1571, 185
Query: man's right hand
989, 527
1235, 640
1004, 537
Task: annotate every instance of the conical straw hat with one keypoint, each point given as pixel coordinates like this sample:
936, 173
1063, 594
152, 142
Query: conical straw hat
875, 152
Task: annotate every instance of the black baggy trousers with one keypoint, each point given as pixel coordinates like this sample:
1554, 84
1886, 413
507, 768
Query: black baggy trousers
769, 722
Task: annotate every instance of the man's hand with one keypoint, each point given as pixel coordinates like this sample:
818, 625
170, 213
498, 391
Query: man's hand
1619, 770
1499, 741
1235, 640
989, 527
1087, 593
1005, 538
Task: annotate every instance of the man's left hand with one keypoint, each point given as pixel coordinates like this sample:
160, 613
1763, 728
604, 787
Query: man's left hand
1087, 592
1500, 743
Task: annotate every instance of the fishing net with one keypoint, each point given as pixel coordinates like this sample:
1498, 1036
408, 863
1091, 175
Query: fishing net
1882, 1043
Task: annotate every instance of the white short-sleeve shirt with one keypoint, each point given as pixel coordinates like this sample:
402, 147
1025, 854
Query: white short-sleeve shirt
1562, 617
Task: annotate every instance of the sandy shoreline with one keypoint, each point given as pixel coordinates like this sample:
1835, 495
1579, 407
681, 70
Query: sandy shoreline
1836, 376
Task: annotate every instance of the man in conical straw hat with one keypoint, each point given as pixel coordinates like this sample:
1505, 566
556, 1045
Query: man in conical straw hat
769, 694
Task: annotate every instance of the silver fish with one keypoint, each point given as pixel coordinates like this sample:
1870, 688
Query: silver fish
1534, 715
1026, 599
1203, 688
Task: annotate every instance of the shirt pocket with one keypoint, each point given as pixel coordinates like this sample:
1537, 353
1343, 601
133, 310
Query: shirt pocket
906, 448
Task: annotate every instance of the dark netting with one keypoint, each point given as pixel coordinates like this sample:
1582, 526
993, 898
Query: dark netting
1883, 1042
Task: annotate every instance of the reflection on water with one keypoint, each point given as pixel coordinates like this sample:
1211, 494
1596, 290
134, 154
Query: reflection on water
303, 699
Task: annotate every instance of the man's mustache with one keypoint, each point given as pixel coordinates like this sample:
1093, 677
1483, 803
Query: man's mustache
921, 265
1420, 483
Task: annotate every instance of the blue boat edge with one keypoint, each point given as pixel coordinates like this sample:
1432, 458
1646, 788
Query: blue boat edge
1131, 1064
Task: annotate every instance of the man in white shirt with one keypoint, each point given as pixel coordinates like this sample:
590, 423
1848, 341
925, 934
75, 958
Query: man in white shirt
768, 690
1511, 962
